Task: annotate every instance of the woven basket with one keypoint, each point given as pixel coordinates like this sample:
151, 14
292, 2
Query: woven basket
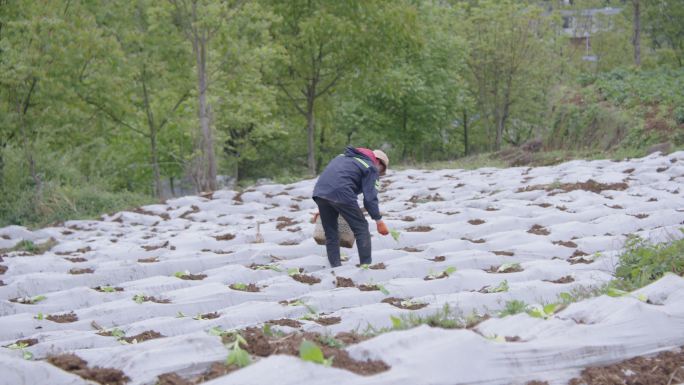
345, 232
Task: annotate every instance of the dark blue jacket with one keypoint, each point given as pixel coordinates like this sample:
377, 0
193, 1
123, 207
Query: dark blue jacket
346, 177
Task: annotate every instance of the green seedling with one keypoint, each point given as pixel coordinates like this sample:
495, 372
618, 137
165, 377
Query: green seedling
107, 289
217, 331
502, 287
198, 317
513, 307
507, 266
180, 274
364, 266
21, 346
410, 302
237, 355
269, 267
544, 312
180, 315
395, 234
309, 351
309, 317
39, 316
383, 290
139, 298
331, 341
239, 286
293, 271
267, 330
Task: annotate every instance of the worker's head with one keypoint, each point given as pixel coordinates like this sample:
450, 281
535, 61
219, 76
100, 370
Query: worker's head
383, 159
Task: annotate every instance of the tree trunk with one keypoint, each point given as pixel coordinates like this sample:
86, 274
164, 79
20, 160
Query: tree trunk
465, 132
636, 40
208, 162
310, 126
154, 155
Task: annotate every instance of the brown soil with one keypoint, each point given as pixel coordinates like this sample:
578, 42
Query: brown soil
99, 288
284, 222
590, 185
193, 277
351, 338
419, 229
538, 230
344, 282
439, 258
286, 322
144, 336
513, 339
544, 205
580, 260
397, 302
504, 253
294, 229
512, 269
665, 368
570, 244
81, 271
260, 345
155, 247
140, 210
639, 216
172, 379
430, 198
74, 364
411, 249
252, 288
76, 259
3, 269
304, 278
616, 207
224, 237
440, 276
628, 171
652, 200
562, 208
325, 321
289, 243
63, 318
28, 342
155, 300
193, 209
378, 266
491, 209
565, 279
365, 287
408, 219
474, 240
476, 222
537, 382
210, 315
148, 260
578, 253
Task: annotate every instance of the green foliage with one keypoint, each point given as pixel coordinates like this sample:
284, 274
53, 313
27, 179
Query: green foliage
445, 318
644, 262
237, 355
309, 351
513, 307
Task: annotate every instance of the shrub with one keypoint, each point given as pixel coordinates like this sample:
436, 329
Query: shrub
644, 262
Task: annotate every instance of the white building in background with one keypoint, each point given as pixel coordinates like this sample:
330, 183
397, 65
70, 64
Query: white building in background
580, 24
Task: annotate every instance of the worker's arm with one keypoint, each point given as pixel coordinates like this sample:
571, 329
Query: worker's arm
371, 184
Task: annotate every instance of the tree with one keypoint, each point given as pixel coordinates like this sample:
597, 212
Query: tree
508, 61
662, 21
328, 42
200, 21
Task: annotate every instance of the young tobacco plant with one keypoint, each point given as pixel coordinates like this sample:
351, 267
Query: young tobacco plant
309, 351
21, 347
237, 355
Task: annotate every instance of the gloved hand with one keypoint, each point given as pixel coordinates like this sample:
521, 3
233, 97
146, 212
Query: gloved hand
382, 227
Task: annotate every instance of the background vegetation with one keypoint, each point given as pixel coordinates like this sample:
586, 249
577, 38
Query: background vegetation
111, 104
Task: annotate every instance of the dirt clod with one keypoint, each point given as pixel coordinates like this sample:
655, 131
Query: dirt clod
328, 320
193, 277
225, 237
252, 288
404, 304
144, 336
570, 244
286, 322
538, 230
565, 279
74, 364
304, 278
76, 271
419, 229
148, 260
76, 259
504, 253
344, 282
665, 368
476, 222
63, 318
439, 258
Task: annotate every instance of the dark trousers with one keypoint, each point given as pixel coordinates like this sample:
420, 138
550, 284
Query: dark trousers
329, 212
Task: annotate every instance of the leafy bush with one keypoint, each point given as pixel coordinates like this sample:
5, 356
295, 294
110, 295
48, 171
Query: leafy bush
644, 262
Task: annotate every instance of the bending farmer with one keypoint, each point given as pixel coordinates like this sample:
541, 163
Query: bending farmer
345, 177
